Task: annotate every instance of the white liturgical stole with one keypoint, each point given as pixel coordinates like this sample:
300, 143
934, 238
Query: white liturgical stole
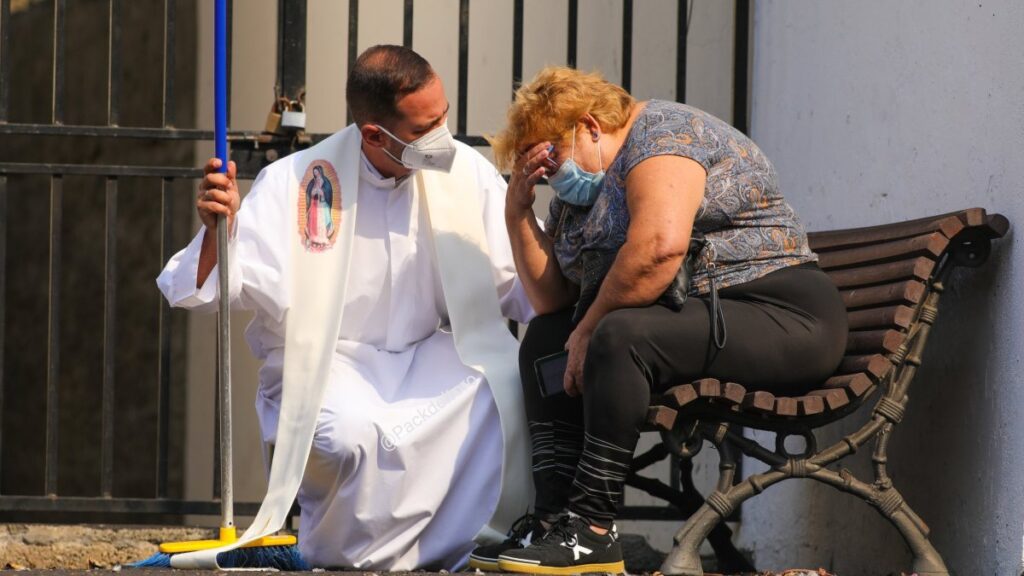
482, 338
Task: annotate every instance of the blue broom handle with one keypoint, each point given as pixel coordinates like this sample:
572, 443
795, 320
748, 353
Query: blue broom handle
220, 83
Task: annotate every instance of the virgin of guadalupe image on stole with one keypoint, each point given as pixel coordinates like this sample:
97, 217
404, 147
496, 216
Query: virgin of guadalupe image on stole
319, 206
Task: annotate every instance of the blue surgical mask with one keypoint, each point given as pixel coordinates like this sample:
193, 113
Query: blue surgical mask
575, 185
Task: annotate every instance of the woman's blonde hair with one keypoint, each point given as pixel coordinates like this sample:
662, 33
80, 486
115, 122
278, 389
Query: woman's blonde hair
550, 105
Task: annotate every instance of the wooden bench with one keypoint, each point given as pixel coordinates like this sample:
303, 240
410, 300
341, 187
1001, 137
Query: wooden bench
891, 278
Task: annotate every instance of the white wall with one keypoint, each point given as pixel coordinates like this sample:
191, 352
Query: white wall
878, 111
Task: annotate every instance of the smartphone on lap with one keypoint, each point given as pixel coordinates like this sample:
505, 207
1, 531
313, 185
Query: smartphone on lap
551, 373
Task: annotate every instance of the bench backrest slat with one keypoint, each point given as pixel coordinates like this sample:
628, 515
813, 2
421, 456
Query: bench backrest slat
949, 224
919, 268
906, 292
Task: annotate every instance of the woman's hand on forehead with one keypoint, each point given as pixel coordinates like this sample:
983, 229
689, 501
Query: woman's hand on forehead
550, 162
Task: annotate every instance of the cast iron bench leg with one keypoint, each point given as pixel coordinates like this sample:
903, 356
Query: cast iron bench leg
684, 559
730, 560
927, 561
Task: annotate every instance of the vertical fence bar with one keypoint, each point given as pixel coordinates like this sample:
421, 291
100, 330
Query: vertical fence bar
217, 476
59, 7
170, 7
353, 32
109, 340
463, 66
216, 433
407, 25
741, 65
53, 336
353, 43
574, 17
164, 345
3, 305
674, 482
740, 116
682, 27
517, 43
5, 58
627, 44
114, 65
291, 48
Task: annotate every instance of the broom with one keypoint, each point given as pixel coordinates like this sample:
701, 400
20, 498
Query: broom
275, 552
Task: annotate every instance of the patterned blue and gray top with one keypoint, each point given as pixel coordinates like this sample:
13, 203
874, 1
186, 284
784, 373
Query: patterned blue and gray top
749, 228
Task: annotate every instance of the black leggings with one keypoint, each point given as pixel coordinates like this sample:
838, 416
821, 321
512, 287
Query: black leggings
786, 333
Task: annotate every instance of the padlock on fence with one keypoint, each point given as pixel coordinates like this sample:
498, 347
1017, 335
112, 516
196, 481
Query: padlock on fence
294, 118
274, 117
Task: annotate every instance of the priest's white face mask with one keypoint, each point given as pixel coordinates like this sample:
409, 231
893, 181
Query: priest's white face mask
435, 150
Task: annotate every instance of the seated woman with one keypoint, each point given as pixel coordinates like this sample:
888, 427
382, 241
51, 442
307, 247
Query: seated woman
668, 255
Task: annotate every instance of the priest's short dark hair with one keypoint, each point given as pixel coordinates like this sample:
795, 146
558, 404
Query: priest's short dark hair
381, 76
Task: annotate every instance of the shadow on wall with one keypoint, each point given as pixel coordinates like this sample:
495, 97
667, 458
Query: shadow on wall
958, 452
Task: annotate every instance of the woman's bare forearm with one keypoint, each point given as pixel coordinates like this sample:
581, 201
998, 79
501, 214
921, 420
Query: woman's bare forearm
546, 287
637, 278
663, 195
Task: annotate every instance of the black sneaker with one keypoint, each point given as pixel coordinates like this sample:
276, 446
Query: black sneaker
569, 547
519, 536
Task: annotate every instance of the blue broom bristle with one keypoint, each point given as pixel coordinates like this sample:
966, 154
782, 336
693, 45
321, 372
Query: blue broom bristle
284, 558
158, 560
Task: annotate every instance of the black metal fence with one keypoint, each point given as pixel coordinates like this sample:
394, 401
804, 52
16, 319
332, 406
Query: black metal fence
252, 151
